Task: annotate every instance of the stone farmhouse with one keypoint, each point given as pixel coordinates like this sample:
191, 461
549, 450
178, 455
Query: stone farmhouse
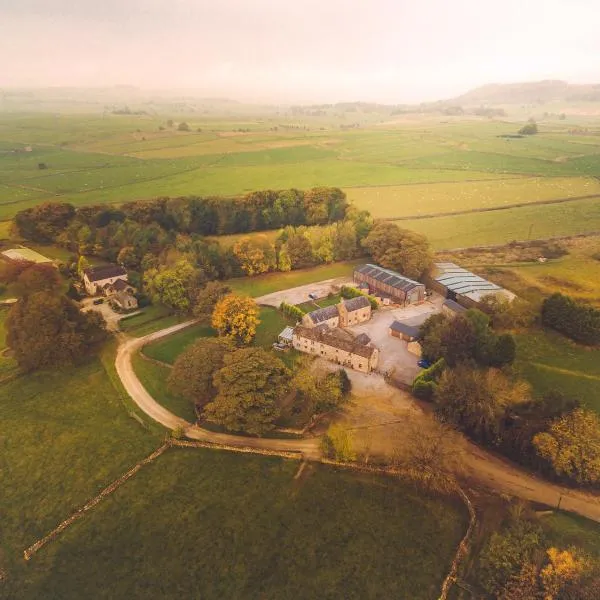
347, 312
389, 287
97, 279
336, 346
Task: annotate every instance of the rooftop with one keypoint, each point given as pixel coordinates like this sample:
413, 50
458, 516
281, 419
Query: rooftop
461, 281
409, 330
287, 334
106, 272
356, 303
454, 306
323, 314
26, 254
326, 337
388, 277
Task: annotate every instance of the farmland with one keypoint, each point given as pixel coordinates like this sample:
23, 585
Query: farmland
396, 168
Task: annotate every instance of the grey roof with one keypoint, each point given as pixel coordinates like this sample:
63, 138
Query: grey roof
106, 272
120, 285
323, 314
454, 306
362, 338
461, 281
356, 303
409, 330
388, 277
287, 334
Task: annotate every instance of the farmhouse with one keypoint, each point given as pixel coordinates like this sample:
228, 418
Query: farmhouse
120, 285
26, 254
321, 341
347, 312
96, 279
390, 286
464, 287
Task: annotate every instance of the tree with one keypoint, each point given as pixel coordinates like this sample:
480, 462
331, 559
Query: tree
128, 257
249, 387
431, 334
44, 330
323, 393
173, 286
572, 446
576, 320
476, 400
458, 341
563, 569
284, 262
44, 222
400, 249
206, 299
530, 128
504, 351
37, 278
82, 264
236, 317
193, 371
254, 257
299, 250
522, 586
338, 443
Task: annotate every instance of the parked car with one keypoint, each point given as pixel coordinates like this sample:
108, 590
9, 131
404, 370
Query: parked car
424, 363
98, 301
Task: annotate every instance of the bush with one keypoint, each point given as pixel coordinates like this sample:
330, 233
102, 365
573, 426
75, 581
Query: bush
291, 311
576, 320
425, 384
529, 129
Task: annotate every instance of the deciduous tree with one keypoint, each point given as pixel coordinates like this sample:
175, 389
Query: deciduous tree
250, 385
207, 297
236, 318
255, 257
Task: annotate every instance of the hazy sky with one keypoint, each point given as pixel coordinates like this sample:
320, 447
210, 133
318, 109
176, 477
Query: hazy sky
302, 50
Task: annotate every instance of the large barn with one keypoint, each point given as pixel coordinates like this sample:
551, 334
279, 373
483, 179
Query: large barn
389, 285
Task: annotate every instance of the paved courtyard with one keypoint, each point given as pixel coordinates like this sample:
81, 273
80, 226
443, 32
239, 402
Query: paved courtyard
298, 295
111, 317
394, 357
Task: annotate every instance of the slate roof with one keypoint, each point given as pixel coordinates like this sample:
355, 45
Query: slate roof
409, 330
356, 303
323, 314
120, 285
388, 277
99, 273
454, 306
362, 338
324, 336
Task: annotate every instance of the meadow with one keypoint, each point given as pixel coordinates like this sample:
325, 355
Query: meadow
221, 525
397, 168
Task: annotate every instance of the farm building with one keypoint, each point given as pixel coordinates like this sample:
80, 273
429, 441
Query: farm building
26, 254
452, 308
96, 279
389, 285
322, 341
408, 333
347, 312
464, 287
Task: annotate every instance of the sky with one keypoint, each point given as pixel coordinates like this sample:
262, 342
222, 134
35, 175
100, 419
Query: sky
391, 51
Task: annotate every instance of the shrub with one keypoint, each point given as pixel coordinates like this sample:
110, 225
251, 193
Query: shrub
576, 320
348, 292
425, 384
291, 311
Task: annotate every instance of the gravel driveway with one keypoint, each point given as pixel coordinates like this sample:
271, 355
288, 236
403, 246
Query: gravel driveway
297, 295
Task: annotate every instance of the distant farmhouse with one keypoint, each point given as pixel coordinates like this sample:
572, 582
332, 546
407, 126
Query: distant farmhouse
335, 346
26, 254
96, 279
463, 287
388, 286
346, 313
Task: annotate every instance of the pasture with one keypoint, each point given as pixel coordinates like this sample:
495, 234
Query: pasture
221, 525
413, 165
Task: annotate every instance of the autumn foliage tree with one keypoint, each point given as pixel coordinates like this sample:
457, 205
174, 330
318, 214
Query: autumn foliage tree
255, 257
44, 330
249, 387
206, 299
236, 318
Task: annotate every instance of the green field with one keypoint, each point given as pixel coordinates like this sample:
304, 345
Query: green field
395, 167
551, 362
169, 348
210, 524
275, 282
150, 319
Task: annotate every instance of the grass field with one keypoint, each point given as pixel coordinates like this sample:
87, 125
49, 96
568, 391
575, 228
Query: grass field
150, 319
169, 348
274, 282
210, 524
395, 167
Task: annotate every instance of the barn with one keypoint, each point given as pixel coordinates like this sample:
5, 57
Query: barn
408, 333
389, 285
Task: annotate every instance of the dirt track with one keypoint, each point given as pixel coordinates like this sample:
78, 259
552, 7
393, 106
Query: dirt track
377, 412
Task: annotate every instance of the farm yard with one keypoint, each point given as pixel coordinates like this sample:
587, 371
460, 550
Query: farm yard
396, 169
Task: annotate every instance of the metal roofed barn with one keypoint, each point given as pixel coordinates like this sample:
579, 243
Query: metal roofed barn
387, 283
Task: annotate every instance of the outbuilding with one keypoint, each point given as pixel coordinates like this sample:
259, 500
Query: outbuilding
408, 333
389, 285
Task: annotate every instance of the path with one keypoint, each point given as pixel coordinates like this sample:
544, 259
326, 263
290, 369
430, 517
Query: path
129, 346
482, 466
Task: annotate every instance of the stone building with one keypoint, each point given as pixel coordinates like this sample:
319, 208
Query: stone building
336, 347
346, 313
390, 286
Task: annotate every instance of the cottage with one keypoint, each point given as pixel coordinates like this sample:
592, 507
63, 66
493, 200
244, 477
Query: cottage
346, 313
96, 278
389, 285
321, 341
120, 285
405, 332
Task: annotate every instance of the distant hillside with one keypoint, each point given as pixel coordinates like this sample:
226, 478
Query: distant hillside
534, 92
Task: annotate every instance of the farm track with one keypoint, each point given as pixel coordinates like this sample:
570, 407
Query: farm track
471, 211
484, 469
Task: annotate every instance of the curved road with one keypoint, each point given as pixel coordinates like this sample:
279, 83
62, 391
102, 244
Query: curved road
489, 470
310, 447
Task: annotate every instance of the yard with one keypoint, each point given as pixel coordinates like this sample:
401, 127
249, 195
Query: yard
213, 524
